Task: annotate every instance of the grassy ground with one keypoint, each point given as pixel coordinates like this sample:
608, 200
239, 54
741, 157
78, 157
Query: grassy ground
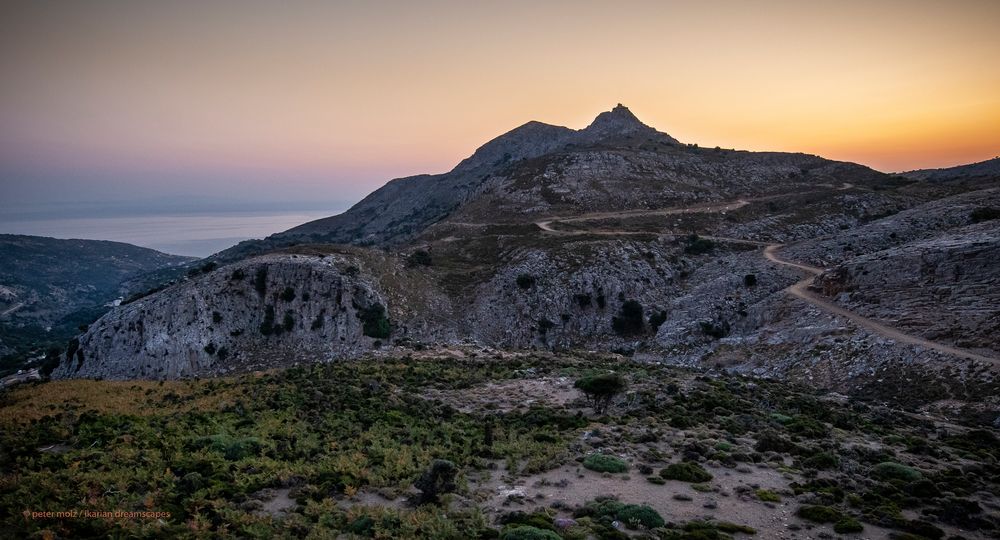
345, 443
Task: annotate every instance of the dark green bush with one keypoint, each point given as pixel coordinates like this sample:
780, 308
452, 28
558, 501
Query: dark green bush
686, 471
527, 532
848, 525
636, 515
819, 514
895, 471
374, 321
288, 294
604, 463
822, 461
525, 281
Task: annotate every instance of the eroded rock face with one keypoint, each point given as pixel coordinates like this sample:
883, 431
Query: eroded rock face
264, 312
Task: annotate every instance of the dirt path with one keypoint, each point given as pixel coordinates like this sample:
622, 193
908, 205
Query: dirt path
713, 208
801, 290
12, 309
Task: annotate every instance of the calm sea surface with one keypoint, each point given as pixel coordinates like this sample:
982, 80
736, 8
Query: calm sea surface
194, 235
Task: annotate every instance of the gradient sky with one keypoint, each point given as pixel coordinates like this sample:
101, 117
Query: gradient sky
317, 102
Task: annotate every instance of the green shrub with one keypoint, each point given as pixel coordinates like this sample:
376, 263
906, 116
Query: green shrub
527, 532
686, 471
848, 525
288, 294
635, 515
819, 514
768, 495
604, 463
895, 471
821, 461
374, 321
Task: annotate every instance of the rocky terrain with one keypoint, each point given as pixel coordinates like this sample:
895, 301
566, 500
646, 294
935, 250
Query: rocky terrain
49, 287
575, 334
615, 238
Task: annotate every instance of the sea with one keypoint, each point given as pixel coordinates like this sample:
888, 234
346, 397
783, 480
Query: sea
195, 235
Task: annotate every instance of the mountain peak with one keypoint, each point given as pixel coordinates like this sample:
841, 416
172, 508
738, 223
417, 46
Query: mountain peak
619, 121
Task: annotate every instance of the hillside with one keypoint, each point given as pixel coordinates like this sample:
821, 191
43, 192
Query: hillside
614, 238
49, 287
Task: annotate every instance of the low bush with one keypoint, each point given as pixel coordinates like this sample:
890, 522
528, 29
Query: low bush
527, 532
848, 525
686, 471
895, 471
819, 514
604, 463
768, 495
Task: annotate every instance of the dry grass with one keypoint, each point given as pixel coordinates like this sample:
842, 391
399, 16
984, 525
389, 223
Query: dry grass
141, 398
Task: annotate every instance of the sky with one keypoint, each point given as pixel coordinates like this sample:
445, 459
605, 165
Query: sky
299, 104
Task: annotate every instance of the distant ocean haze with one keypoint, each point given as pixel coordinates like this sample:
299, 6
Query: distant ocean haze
196, 235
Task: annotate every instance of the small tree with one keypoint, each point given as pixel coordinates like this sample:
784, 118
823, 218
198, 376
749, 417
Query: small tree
601, 389
436, 481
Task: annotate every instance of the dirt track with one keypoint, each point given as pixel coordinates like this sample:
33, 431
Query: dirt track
799, 289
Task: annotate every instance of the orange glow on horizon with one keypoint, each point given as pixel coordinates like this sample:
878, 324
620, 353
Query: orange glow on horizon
396, 87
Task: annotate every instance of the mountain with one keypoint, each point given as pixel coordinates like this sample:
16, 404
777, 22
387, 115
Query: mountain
618, 238
49, 287
983, 169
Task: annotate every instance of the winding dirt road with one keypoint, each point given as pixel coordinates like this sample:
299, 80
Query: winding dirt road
799, 290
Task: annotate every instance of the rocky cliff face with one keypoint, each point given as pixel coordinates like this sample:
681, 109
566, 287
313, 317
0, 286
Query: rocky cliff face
268, 311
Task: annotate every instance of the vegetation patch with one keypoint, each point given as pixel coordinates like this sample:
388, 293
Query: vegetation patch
686, 471
605, 463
